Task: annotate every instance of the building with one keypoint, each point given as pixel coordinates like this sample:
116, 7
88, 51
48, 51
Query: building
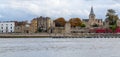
92, 20
51, 26
43, 24
22, 27
26, 28
7, 27
118, 23
67, 27
59, 30
33, 26
19, 26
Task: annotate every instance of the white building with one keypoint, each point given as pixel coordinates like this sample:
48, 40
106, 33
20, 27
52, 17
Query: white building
7, 27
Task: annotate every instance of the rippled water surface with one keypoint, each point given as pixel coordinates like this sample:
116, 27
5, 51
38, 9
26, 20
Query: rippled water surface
49, 47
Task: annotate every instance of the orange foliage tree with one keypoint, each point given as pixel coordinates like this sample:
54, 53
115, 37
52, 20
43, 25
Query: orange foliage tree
60, 22
75, 22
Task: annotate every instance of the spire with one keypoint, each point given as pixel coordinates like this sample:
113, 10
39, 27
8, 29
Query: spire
91, 15
92, 12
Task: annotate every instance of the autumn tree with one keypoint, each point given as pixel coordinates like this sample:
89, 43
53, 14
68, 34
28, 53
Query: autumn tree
60, 22
75, 22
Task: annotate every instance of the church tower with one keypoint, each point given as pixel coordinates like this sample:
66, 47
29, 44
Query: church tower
92, 15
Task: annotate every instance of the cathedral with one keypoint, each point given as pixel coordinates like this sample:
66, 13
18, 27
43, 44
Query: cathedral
92, 20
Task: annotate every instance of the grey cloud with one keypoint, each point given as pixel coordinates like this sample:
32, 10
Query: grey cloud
55, 8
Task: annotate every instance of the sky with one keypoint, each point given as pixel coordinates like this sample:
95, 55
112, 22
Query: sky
20, 10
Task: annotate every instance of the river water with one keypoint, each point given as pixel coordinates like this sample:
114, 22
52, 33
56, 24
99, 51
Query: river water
49, 47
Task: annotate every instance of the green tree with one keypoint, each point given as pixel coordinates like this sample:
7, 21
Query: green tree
112, 18
83, 25
40, 30
113, 27
95, 25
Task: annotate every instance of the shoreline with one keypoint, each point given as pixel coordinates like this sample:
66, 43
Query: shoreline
47, 35
24, 37
20, 35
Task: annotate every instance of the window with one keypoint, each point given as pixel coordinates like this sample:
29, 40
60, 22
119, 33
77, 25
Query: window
99, 21
1, 27
11, 30
11, 27
6, 27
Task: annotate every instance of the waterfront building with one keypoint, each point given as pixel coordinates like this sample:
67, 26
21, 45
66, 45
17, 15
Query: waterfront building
26, 28
22, 27
19, 26
33, 26
7, 27
51, 26
59, 30
118, 23
67, 27
92, 20
43, 24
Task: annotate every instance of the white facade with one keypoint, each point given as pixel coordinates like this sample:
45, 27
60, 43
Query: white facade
7, 27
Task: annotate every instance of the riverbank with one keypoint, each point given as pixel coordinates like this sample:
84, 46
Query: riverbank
20, 35
89, 35
53, 35
24, 37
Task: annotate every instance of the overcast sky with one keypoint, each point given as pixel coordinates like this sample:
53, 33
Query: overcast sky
28, 9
